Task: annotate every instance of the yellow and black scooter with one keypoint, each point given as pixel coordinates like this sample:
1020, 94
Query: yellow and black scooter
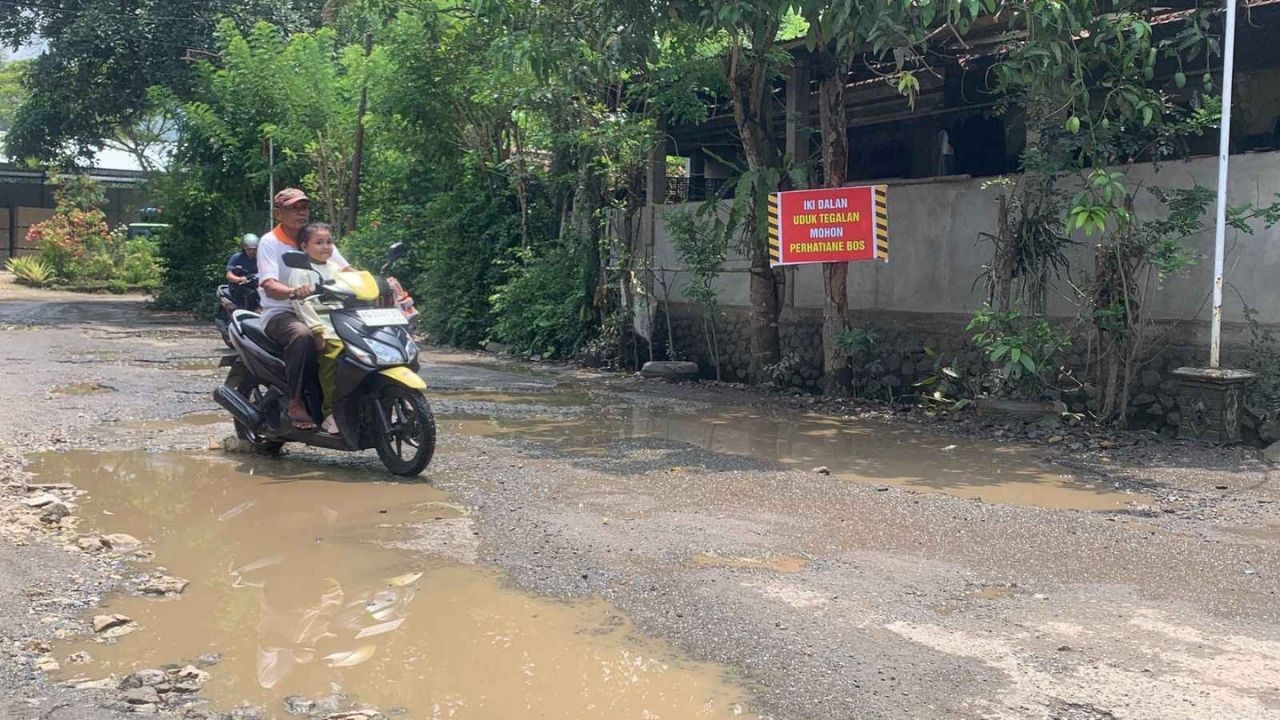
378, 400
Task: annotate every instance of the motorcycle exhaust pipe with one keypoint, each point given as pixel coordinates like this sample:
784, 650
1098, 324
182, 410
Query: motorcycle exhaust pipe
239, 407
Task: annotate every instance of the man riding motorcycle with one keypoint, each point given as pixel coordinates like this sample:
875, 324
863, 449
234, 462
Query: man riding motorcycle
241, 269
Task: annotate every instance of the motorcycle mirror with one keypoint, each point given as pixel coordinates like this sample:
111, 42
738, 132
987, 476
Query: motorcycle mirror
296, 260
396, 251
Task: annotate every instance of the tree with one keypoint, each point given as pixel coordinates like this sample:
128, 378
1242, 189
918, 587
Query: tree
103, 57
750, 32
837, 35
12, 91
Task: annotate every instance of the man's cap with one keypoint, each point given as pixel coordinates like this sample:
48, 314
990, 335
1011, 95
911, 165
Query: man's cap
289, 196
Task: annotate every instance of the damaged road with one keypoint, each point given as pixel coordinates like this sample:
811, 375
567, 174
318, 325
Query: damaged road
590, 545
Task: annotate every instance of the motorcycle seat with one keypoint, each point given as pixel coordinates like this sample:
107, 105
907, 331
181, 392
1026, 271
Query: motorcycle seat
251, 325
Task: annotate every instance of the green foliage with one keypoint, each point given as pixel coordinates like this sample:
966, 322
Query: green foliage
859, 345
1025, 352
12, 91
702, 253
30, 270
103, 58
536, 310
78, 249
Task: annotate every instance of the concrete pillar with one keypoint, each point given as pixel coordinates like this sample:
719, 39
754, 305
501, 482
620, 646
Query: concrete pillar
799, 110
697, 174
656, 177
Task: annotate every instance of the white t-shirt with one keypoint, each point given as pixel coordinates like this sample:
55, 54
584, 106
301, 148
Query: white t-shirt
270, 248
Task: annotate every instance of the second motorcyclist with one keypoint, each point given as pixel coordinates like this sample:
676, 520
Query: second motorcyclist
242, 268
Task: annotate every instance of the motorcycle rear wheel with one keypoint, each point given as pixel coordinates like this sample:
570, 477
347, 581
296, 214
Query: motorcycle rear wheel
252, 389
408, 448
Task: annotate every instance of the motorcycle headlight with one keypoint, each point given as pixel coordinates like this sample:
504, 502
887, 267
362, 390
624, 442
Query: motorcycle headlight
360, 355
387, 354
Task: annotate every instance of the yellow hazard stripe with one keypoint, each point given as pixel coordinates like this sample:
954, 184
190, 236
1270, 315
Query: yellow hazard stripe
775, 247
882, 221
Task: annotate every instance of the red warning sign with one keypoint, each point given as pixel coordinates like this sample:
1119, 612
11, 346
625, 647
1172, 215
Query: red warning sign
848, 224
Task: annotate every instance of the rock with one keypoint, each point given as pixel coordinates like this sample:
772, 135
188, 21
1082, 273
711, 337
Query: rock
47, 663
119, 542
143, 709
1057, 439
1168, 401
1269, 431
145, 555
145, 695
107, 622
208, 660
1144, 399
164, 585
669, 370
298, 705
79, 658
496, 348
247, 712
106, 683
822, 470
91, 543
41, 500
1175, 418
356, 715
190, 679
1150, 379
54, 512
1272, 452
233, 444
148, 678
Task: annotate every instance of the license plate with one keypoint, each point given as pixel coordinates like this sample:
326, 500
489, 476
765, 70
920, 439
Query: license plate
382, 317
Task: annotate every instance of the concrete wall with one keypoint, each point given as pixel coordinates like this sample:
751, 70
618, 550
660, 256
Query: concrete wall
936, 252
920, 301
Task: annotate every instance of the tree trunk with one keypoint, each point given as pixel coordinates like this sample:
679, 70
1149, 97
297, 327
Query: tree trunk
587, 203
836, 374
357, 155
748, 82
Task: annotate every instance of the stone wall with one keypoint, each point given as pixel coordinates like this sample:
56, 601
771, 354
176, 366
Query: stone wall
910, 348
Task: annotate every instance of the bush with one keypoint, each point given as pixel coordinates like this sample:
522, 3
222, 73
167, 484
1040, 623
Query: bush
203, 228
31, 271
1025, 352
536, 311
79, 250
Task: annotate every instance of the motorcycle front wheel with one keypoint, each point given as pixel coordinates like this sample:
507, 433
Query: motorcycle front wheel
408, 447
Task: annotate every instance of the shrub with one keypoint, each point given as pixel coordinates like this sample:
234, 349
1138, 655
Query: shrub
78, 249
536, 311
1025, 352
30, 270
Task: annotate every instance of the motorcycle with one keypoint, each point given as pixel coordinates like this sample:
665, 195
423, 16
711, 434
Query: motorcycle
378, 400
227, 304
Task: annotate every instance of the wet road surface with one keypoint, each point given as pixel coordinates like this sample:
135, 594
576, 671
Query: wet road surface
596, 546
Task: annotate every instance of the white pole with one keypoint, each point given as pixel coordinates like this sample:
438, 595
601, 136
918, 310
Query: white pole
1224, 152
271, 180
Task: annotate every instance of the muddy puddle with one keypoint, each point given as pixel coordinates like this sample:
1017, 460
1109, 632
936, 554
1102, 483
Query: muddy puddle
295, 583
866, 451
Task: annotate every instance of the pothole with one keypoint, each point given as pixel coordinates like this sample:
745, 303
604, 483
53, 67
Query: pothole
300, 581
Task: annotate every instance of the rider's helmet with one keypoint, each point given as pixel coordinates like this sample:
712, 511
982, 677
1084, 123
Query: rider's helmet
249, 241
